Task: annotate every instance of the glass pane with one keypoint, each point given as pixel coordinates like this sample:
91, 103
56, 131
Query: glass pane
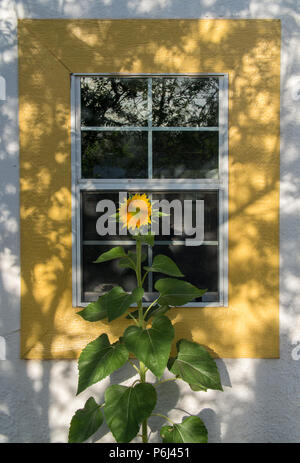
113, 102
211, 214
90, 199
100, 278
114, 154
185, 154
185, 102
199, 264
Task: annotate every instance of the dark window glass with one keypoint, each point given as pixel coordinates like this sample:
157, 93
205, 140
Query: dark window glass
198, 264
114, 154
211, 211
113, 102
100, 278
90, 199
185, 102
185, 154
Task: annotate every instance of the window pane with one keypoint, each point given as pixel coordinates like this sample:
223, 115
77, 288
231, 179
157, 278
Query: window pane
185, 154
100, 278
114, 154
199, 264
113, 102
185, 102
90, 199
211, 213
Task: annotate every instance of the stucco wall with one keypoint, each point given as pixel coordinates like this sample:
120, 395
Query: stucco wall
261, 398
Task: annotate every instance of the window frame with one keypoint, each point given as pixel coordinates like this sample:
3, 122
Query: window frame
220, 184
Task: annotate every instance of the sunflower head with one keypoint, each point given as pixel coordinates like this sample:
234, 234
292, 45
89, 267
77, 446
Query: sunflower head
135, 212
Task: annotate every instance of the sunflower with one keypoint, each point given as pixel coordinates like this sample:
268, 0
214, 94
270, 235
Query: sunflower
135, 212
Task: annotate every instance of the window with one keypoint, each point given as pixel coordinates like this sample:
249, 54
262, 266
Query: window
165, 135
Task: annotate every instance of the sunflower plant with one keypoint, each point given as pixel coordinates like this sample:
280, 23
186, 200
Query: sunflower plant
148, 339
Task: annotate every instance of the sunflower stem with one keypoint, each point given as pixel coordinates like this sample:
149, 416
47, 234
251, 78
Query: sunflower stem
143, 368
139, 278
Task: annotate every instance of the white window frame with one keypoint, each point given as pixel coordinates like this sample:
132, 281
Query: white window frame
220, 184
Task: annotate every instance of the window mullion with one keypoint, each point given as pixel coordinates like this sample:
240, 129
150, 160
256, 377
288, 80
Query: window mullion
78, 128
146, 129
150, 184
223, 191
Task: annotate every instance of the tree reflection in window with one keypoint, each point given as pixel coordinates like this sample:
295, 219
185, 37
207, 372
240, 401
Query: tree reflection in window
113, 102
182, 102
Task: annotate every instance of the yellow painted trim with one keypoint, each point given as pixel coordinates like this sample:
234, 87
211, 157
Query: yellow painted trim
249, 50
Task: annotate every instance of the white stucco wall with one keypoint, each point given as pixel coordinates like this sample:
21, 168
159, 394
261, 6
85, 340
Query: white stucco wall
261, 402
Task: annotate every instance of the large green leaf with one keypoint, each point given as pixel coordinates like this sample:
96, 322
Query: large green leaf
152, 346
164, 264
112, 305
114, 253
85, 422
191, 430
98, 360
126, 408
176, 292
130, 260
94, 312
195, 365
117, 301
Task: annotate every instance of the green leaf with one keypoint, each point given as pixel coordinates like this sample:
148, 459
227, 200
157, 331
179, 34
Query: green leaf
85, 422
94, 312
114, 253
197, 388
117, 301
155, 311
164, 264
195, 365
98, 360
152, 346
191, 431
112, 305
126, 262
162, 214
176, 292
126, 408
